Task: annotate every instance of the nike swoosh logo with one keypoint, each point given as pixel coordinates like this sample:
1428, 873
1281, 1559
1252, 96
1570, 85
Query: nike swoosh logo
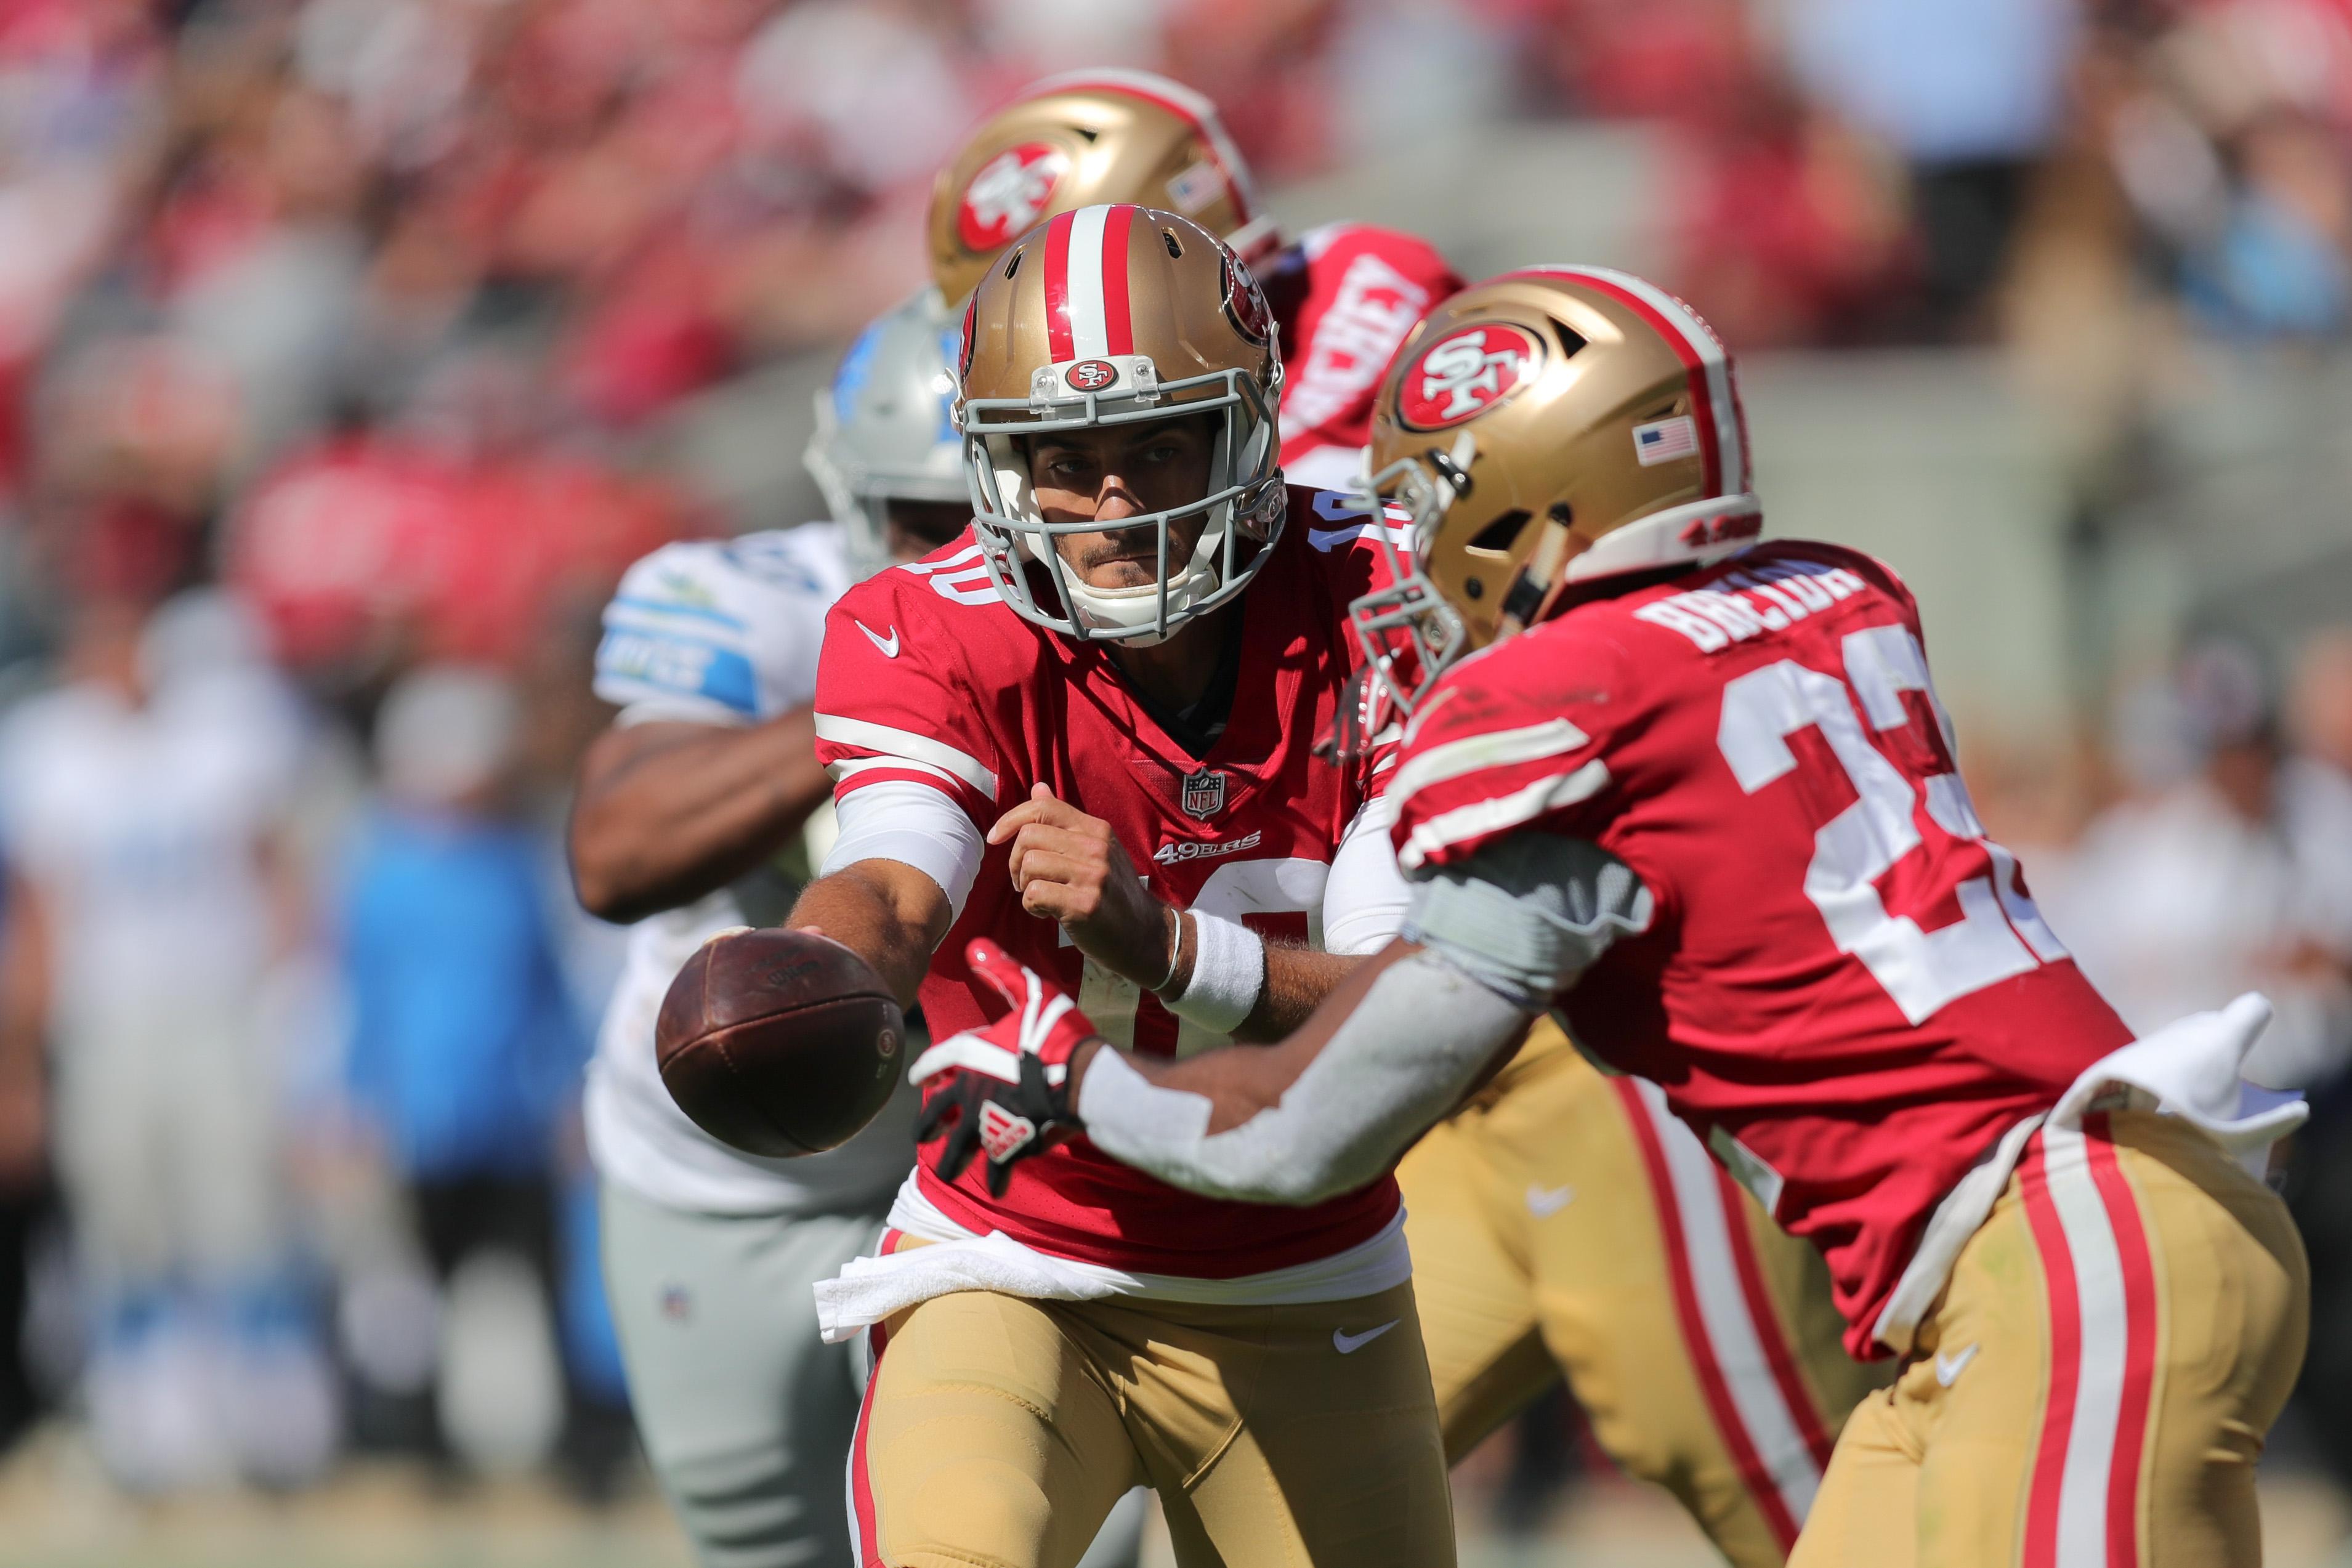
890, 645
1950, 1367
1545, 1202
1346, 1344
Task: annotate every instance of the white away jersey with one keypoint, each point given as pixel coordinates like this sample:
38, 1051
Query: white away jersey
716, 632
143, 827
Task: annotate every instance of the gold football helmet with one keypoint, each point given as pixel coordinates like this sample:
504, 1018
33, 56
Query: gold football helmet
1082, 140
1548, 426
1108, 316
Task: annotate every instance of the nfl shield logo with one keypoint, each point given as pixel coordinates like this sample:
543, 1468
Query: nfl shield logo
1205, 794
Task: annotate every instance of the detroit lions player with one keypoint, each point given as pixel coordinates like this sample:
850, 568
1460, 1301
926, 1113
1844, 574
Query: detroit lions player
690, 819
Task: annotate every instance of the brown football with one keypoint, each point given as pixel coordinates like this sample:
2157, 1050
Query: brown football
779, 1042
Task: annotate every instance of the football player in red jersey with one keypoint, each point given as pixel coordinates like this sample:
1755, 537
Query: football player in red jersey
1101, 710
1697, 792
1698, 1340
1344, 294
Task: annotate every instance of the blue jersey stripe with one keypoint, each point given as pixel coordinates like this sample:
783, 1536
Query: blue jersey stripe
662, 662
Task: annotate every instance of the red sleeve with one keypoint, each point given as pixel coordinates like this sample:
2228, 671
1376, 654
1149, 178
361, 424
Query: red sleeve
1497, 749
893, 702
1359, 292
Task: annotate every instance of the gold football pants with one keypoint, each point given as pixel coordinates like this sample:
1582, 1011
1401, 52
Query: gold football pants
999, 1431
2094, 1387
1565, 1221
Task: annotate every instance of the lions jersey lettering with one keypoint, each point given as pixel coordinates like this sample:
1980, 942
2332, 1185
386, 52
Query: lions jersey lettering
1847, 989
981, 705
721, 632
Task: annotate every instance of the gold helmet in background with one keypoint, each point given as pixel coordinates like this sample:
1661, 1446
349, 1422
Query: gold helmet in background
1548, 426
1083, 140
1112, 316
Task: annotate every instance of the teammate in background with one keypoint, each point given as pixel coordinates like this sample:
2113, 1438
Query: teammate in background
1125, 670
1345, 294
1699, 1340
687, 810
1698, 794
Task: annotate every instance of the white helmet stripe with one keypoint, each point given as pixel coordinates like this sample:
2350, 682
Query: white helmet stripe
1089, 330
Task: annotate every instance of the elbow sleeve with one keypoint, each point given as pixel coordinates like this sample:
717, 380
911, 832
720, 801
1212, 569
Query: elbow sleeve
913, 825
1529, 916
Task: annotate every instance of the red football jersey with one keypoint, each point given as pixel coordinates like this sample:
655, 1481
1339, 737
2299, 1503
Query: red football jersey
1345, 296
928, 676
1845, 988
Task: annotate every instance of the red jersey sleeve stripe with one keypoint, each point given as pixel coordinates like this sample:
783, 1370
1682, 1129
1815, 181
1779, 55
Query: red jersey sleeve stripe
1421, 836
1057, 289
858, 773
1492, 749
905, 748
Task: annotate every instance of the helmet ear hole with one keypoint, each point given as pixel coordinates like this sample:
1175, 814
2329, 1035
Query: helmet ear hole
1496, 537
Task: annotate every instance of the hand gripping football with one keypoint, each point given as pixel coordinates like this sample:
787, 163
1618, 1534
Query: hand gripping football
779, 1043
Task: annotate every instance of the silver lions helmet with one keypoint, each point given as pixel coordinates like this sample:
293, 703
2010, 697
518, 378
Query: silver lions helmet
884, 428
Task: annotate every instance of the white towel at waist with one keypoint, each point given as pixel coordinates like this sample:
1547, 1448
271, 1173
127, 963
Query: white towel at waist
2189, 1068
869, 1290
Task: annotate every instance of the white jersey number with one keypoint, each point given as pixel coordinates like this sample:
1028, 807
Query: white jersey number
1999, 933
1238, 888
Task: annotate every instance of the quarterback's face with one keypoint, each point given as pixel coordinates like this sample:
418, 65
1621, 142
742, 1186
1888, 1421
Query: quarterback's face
1112, 474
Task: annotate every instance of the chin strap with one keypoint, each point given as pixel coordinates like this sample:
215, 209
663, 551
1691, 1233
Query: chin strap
1537, 586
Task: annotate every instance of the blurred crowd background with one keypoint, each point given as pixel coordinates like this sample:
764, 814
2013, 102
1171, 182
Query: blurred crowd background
349, 348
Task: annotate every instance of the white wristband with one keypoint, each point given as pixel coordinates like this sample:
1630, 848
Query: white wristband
1228, 975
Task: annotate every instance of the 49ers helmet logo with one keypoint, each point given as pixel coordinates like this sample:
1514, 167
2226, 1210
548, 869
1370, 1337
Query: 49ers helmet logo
1091, 375
1466, 372
1011, 189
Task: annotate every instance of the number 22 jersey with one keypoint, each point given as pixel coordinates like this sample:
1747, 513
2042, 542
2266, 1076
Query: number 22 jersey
1845, 987
928, 678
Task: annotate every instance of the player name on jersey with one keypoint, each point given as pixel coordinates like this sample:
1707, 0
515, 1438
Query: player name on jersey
1743, 604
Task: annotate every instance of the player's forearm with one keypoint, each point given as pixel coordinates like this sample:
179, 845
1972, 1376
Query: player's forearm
1280, 986
1297, 979
892, 916
666, 813
1324, 1111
